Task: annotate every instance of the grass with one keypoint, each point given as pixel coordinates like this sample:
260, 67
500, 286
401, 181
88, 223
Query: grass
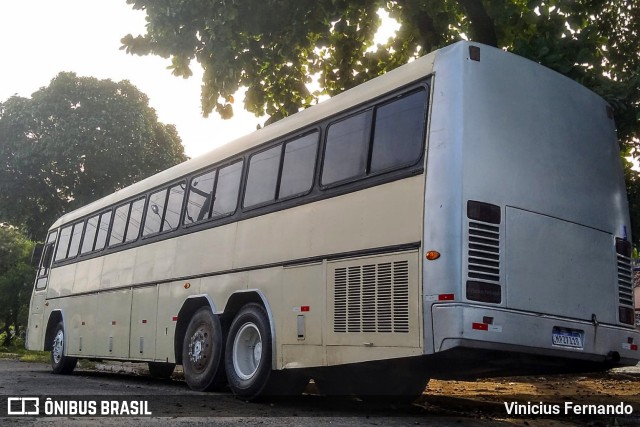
17, 351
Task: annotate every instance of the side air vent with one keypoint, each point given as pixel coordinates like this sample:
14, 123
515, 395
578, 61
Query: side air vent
483, 257
625, 281
372, 298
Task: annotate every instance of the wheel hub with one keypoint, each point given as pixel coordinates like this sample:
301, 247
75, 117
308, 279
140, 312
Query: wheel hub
58, 345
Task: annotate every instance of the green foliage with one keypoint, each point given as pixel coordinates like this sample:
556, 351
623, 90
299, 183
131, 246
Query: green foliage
273, 47
16, 280
73, 142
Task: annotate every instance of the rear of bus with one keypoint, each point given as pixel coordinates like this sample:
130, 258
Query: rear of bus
526, 204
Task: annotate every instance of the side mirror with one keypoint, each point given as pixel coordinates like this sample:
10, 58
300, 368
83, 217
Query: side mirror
37, 254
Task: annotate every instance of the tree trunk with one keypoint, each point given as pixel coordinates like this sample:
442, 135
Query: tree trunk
482, 26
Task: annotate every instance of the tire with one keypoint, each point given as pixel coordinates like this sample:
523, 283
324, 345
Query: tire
161, 370
248, 352
60, 363
202, 351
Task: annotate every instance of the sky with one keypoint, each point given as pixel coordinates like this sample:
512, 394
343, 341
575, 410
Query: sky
41, 38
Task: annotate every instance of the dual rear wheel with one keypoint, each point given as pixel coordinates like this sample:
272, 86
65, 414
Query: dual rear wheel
241, 359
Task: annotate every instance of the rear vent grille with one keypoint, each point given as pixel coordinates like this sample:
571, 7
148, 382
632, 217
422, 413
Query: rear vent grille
625, 278
484, 252
625, 282
372, 298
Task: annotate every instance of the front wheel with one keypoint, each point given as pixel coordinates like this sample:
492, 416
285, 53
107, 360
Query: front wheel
60, 363
248, 352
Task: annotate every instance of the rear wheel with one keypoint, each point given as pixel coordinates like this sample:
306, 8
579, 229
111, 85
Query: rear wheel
161, 370
202, 352
60, 363
248, 352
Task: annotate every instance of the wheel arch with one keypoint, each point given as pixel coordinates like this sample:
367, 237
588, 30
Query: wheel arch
239, 299
55, 317
190, 305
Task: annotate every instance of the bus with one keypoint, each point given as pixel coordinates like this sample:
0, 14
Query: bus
463, 215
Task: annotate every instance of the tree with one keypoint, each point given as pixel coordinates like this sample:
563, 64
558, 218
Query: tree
73, 142
16, 280
273, 47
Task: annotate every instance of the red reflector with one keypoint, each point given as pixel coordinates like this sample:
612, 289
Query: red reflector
304, 308
445, 297
144, 320
634, 347
480, 326
174, 318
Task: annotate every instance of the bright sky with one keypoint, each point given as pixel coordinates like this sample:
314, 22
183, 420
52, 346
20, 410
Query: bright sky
40, 38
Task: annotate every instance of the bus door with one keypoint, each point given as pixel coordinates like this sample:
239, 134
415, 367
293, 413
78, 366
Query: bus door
36, 316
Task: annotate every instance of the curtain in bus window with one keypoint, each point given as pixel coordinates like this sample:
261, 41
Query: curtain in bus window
298, 166
346, 149
75, 239
155, 210
226, 198
103, 229
174, 207
90, 234
63, 245
262, 177
135, 219
119, 224
399, 132
200, 196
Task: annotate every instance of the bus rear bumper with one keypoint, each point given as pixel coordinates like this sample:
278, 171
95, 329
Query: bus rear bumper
500, 335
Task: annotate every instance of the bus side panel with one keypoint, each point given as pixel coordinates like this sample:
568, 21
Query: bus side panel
301, 319
113, 324
144, 307
81, 322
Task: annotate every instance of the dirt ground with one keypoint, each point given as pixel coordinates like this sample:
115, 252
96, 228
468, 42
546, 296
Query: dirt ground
486, 398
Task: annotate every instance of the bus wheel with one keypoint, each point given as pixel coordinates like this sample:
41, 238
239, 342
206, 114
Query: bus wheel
60, 363
248, 352
161, 370
202, 351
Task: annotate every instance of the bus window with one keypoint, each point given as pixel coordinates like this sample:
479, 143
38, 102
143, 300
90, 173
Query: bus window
399, 132
155, 210
298, 166
47, 255
262, 177
103, 229
174, 207
226, 199
200, 196
75, 239
90, 234
63, 245
347, 148
119, 224
135, 219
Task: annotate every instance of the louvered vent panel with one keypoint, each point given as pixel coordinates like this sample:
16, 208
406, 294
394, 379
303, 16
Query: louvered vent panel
484, 252
372, 298
625, 281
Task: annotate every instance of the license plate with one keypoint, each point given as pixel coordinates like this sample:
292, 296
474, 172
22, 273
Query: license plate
567, 338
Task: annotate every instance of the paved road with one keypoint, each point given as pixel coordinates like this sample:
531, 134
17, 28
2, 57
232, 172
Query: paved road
171, 402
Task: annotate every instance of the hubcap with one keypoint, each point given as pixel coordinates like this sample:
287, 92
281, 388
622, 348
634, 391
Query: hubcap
200, 348
247, 351
58, 346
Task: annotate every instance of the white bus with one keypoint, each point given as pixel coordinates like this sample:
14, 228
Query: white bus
462, 215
